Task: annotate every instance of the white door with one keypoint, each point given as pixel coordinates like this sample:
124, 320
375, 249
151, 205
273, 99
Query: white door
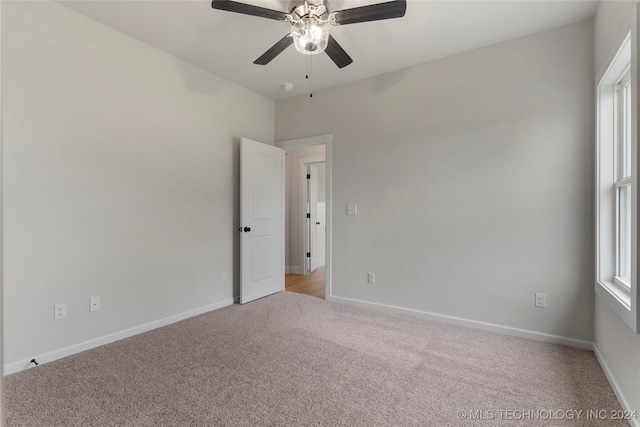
314, 228
261, 220
320, 235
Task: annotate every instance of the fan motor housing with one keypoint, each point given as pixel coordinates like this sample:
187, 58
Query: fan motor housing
297, 6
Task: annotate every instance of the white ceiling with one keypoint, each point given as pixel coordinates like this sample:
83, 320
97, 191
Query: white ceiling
227, 43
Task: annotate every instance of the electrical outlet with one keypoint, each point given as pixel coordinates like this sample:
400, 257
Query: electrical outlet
59, 311
371, 278
224, 276
352, 209
541, 300
94, 303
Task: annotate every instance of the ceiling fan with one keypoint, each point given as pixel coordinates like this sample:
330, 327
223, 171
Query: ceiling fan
310, 20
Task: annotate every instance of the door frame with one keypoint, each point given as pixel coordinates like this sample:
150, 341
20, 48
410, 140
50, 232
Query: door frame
327, 141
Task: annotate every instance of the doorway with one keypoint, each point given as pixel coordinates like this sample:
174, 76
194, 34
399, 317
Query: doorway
307, 203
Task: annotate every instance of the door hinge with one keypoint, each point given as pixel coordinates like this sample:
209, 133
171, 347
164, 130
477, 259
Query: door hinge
308, 176
308, 254
308, 215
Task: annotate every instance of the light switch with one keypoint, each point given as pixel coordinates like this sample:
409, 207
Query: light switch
352, 209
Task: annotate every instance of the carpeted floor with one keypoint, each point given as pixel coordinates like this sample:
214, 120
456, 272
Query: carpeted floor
296, 360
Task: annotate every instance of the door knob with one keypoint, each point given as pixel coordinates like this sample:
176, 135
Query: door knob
247, 229
317, 223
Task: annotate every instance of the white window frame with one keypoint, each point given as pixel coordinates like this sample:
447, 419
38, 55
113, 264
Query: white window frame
619, 293
623, 171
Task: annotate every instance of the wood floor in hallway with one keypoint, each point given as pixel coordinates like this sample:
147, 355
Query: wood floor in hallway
309, 284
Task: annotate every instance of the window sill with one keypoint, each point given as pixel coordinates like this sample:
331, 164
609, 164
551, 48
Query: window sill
618, 297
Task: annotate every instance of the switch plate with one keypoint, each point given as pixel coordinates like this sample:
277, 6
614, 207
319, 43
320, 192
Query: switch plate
352, 209
371, 278
59, 311
541, 300
224, 276
94, 304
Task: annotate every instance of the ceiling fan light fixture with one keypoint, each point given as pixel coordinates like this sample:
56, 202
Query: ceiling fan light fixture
311, 20
310, 36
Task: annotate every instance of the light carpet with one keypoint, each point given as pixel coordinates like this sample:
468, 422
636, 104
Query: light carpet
296, 360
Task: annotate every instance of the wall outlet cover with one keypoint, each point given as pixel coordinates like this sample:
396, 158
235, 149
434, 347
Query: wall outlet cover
59, 311
541, 300
94, 304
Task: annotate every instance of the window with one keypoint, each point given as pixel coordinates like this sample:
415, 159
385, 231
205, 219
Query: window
622, 136
616, 187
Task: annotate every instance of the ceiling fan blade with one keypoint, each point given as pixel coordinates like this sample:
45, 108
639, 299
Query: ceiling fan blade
337, 53
275, 50
374, 12
248, 9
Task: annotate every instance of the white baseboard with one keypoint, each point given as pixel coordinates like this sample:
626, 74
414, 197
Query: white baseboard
491, 327
50, 356
614, 385
292, 269
316, 262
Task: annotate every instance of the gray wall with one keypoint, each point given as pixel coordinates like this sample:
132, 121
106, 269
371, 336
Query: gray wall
617, 345
473, 177
2, 401
120, 179
322, 181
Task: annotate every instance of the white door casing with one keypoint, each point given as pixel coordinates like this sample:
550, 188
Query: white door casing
261, 220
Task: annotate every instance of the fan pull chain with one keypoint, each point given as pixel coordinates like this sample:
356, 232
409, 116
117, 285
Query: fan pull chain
309, 75
306, 64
